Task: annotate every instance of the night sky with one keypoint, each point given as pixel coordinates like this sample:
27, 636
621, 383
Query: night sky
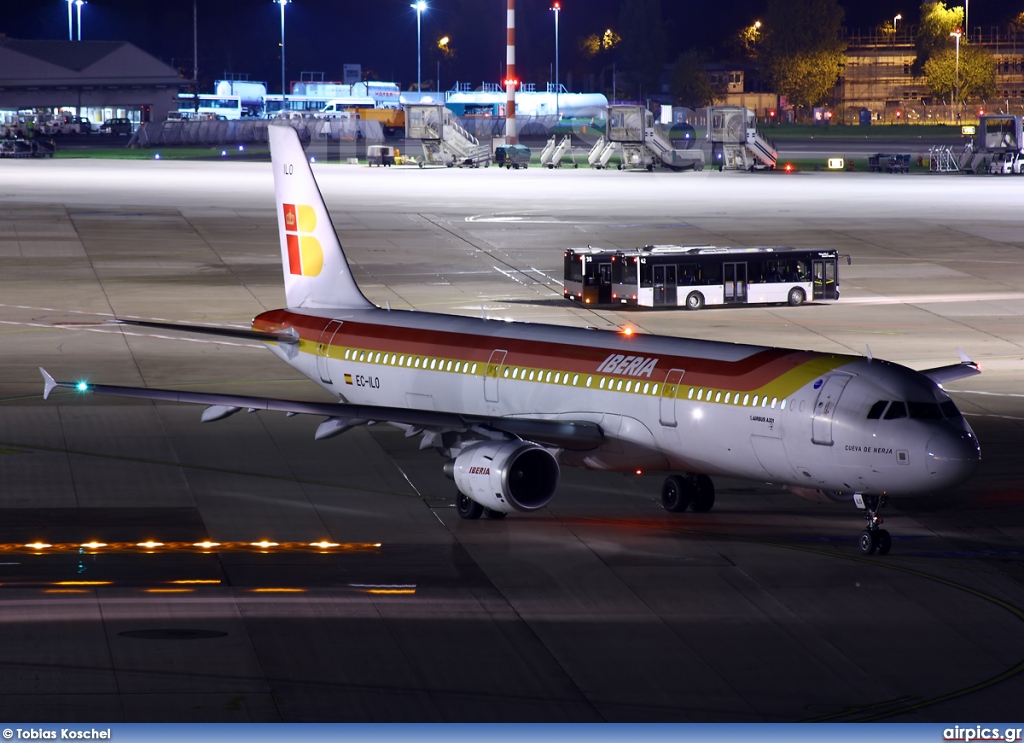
243, 36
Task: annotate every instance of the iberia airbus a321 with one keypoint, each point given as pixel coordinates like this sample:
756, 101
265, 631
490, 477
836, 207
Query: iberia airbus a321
508, 404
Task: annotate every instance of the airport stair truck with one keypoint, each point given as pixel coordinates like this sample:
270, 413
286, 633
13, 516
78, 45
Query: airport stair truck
644, 144
549, 148
444, 142
602, 152
736, 143
552, 154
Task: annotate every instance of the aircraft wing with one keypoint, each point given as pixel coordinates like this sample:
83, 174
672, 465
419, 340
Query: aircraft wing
942, 374
572, 435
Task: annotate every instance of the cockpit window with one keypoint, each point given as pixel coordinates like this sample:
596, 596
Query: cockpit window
876, 410
925, 411
896, 410
949, 409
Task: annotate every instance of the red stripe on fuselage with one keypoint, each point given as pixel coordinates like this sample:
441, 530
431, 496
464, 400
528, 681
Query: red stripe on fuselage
750, 373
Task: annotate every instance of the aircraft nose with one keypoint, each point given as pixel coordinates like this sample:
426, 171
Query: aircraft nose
952, 457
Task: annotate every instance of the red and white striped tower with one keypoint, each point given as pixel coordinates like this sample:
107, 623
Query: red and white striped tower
510, 76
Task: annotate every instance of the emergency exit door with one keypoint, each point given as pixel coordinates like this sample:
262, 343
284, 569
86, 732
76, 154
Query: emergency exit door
323, 350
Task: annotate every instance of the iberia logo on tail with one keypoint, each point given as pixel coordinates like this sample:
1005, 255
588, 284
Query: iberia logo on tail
305, 256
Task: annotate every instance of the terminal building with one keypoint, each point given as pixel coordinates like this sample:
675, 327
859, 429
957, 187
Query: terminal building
878, 77
96, 80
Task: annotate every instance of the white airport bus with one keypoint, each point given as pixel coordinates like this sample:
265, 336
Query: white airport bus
210, 106
700, 275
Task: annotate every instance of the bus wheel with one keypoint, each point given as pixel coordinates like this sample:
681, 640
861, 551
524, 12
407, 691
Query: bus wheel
694, 301
796, 297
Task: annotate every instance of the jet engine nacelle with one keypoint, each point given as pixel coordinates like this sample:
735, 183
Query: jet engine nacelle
506, 476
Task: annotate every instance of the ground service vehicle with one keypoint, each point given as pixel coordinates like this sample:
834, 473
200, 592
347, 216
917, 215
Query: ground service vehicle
380, 154
699, 275
512, 156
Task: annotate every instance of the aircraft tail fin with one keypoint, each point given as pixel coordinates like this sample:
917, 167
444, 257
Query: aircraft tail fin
316, 272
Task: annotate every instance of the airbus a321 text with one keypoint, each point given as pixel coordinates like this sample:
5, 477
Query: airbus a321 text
508, 404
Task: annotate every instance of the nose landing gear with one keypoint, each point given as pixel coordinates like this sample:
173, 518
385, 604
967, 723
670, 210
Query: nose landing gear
873, 539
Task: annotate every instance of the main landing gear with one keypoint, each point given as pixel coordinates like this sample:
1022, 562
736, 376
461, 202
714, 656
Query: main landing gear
873, 539
680, 492
468, 508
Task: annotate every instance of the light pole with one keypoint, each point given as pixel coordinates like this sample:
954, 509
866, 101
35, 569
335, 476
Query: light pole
442, 44
78, 5
419, 7
284, 89
957, 33
195, 45
71, 31
895, 21
557, 6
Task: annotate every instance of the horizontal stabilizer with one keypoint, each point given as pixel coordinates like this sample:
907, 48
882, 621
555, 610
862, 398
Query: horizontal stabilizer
942, 374
289, 336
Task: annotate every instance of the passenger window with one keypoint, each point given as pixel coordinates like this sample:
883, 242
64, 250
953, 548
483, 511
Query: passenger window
877, 409
896, 410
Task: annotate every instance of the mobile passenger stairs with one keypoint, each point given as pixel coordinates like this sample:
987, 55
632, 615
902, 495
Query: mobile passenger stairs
640, 143
553, 152
444, 142
736, 143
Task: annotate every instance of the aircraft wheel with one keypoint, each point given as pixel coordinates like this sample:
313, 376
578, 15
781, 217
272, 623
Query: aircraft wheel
466, 507
867, 542
884, 541
796, 297
675, 494
694, 301
492, 514
704, 498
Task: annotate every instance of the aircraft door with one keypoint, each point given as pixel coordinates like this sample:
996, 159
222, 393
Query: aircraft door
604, 283
323, 348
824, 276
825, 408
669, 391
492, 374
735, 282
